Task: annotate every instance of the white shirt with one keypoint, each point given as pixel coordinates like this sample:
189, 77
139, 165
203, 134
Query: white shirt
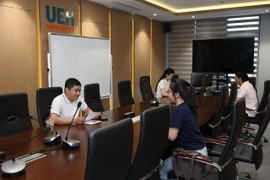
248, 92
66, 109
163, 84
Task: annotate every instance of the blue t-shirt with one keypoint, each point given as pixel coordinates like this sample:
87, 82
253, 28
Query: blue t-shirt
189, 136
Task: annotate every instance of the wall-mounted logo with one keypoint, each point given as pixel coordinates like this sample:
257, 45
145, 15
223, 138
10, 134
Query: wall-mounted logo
59, 19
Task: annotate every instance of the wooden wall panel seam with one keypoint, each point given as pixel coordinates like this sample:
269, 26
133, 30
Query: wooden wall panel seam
38, 40
110, 37
151, 49
79, 18
20, 8
133, 57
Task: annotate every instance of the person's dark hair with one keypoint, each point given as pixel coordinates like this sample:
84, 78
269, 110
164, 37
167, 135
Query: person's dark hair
71, 82
242, 75
168, 72
186, 91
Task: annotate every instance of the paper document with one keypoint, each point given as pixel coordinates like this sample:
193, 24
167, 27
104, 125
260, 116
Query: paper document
136, 119
91, 116
91, 122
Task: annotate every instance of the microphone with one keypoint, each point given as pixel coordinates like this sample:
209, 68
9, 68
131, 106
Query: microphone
70, 144
13, 167
52, 139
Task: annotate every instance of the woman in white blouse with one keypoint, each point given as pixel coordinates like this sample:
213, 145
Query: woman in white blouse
164, 83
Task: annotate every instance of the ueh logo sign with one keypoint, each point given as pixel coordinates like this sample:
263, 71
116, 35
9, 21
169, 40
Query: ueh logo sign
59, 19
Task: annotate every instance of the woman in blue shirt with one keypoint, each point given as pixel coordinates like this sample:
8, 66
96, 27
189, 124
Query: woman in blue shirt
184, 126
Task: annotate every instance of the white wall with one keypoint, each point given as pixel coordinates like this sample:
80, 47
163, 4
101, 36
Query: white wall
264, 53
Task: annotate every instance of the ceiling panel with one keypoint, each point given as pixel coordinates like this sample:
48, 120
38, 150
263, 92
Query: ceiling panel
135, 7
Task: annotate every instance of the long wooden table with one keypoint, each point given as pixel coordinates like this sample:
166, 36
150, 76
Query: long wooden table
64, 164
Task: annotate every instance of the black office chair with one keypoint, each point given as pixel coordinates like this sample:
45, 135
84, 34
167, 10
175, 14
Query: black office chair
225, 168
92, 97
145, 87
44, 98
14, 114
152, 141
252, 152
246, 151
214, 128
110, 151
227, 115
124, 93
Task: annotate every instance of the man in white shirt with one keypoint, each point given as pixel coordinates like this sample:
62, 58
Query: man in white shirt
65, 105
248, 92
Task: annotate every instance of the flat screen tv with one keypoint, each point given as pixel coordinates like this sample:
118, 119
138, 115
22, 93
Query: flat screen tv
223, 55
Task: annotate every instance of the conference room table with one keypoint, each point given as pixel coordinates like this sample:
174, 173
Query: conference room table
70, 164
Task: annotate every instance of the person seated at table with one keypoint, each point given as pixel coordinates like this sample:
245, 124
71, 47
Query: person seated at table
248, 92
64, 106
184, 126
163, 83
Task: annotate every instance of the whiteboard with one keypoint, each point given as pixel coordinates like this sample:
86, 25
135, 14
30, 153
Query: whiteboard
84, 58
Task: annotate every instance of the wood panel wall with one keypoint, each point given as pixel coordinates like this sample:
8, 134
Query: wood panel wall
95, 20
158, 52
18, 49
142, 52
121, 46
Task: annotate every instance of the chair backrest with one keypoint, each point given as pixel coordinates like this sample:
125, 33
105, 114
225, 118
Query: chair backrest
227, 115
153, 137
14, 114
145, 87
92, 97
124, 93
264, 100
227, 156
44, 98
252, 80
217, 131
110, 151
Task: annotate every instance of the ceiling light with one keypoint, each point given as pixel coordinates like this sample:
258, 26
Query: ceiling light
154, 14
266, 10
192, 17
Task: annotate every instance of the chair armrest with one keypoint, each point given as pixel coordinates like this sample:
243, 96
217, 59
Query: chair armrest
248, 128
214, 126
247, 143
214, 141
260, 112
187, 155
222, 138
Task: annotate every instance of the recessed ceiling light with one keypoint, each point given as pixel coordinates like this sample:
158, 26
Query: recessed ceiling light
192, 17
154, 14
266, 10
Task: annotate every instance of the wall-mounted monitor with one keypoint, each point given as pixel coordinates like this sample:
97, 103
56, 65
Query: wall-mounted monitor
223, 55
